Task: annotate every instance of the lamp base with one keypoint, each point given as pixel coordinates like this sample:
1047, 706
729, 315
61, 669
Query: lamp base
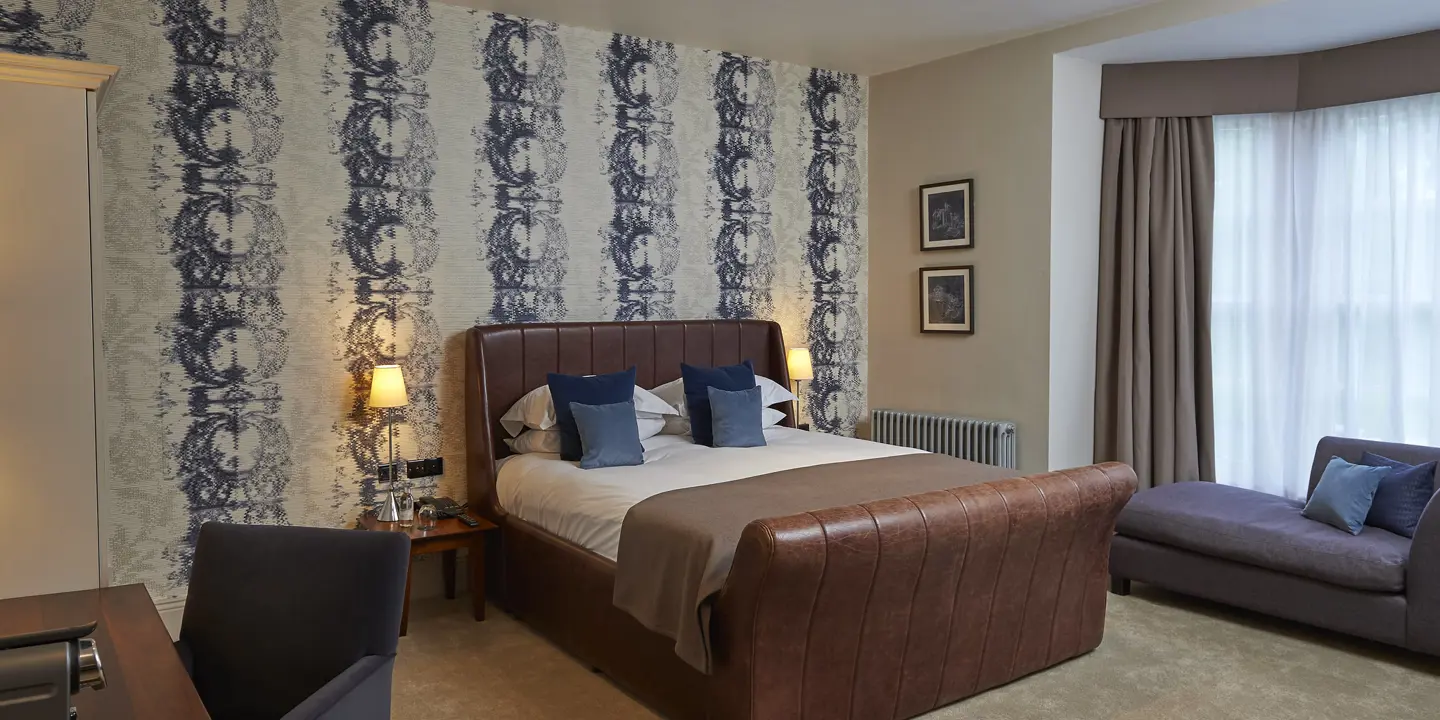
388, 510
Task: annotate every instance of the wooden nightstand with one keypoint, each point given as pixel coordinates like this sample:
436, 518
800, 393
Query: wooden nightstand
448, 536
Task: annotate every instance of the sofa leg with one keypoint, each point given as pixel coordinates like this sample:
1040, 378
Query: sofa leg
1119, 586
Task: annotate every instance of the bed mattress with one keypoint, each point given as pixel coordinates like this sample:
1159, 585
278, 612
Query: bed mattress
587, 507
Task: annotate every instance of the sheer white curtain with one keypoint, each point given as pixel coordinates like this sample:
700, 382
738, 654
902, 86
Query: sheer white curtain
1326, 298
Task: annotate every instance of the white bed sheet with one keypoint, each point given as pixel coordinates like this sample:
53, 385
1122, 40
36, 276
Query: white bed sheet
587, 507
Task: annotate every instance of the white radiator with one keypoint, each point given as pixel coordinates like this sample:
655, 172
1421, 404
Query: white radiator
984, 441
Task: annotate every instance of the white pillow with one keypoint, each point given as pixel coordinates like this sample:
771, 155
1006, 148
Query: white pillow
648, 403
673, 394
676, 425
771, 393
537, 411
650, 424
548, 440
536, 441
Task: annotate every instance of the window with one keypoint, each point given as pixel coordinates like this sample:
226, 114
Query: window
1326, 289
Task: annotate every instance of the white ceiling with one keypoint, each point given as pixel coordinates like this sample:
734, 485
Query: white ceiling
1286, 27
868, 37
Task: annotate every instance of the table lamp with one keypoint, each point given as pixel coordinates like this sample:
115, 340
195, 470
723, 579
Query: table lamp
387, 390
798, 358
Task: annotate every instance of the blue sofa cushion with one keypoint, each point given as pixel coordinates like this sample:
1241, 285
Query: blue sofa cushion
1343, 497
1265, 531
1402, 496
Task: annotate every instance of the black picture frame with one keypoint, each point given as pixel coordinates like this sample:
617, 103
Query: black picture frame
947, 215
934, 298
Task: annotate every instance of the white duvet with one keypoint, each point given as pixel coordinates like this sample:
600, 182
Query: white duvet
587, 507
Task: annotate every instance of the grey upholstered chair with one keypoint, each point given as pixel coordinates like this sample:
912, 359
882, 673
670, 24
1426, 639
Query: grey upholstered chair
294, 623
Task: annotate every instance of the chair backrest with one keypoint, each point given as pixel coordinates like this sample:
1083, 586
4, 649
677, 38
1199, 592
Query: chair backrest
1350, 450
274, 613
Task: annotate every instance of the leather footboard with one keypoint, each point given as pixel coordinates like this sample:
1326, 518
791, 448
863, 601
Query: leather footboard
886, 609
897, 607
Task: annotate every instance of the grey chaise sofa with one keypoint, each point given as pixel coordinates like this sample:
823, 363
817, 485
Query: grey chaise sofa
1256, 551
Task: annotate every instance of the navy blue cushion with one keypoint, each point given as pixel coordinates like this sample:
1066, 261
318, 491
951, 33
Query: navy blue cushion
698, 380
1402, 496
609, 435
736, 418
1343, 497
590, 390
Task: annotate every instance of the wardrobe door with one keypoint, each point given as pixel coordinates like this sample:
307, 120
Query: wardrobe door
49, 540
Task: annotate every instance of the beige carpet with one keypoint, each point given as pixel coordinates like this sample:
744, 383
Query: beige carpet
1164, 658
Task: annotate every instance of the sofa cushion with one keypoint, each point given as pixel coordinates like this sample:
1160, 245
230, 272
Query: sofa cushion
1402, 496
1344, 495
1265, 531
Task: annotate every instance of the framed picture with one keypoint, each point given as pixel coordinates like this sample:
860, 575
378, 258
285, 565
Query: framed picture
947, 215
947, 299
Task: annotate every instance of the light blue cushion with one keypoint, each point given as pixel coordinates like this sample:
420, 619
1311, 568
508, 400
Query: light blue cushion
1343, 496
736, 417
609, 435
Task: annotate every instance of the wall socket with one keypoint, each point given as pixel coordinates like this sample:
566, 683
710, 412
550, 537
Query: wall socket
385, 472
429, 467
426, 468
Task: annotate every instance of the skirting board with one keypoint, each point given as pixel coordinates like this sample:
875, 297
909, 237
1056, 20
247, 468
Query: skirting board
427, 584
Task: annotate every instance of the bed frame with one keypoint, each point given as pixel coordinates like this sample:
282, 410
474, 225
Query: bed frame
889, 609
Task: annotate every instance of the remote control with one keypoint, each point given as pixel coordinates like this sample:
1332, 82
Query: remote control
472, 522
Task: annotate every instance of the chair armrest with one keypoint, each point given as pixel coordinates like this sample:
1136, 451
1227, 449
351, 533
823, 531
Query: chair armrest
361, 692
1422, 584
187, 657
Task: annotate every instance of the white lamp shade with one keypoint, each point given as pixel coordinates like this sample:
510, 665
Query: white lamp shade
387, 387
799, 361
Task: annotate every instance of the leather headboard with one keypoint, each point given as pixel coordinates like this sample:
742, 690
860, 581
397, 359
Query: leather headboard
503, 362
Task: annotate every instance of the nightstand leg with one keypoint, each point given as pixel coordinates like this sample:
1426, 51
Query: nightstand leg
405, 614
447, 559
477, 576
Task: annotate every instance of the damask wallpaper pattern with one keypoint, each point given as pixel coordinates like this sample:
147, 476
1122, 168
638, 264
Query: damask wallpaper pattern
298, 190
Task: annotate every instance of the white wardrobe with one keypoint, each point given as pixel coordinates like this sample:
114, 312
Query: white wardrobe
51, 375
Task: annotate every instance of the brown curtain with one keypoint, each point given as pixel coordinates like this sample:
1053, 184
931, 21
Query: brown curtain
1153, 404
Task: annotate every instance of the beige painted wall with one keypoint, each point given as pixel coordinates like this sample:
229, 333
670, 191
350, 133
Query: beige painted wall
48, 495
986, 114
983, 115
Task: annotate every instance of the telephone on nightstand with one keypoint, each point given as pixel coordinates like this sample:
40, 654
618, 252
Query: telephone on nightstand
444, 506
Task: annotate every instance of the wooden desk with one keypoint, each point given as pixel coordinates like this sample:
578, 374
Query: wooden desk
448, 536
144, 679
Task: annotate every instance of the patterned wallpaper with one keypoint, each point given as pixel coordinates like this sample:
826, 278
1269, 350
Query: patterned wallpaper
297, 190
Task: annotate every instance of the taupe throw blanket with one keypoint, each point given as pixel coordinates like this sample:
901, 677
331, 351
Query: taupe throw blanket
676, 547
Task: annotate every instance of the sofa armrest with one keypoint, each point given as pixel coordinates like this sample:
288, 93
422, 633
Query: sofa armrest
896, 607
361, 692
1422, 584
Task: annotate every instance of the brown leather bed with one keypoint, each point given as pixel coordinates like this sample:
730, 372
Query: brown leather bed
821, 617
